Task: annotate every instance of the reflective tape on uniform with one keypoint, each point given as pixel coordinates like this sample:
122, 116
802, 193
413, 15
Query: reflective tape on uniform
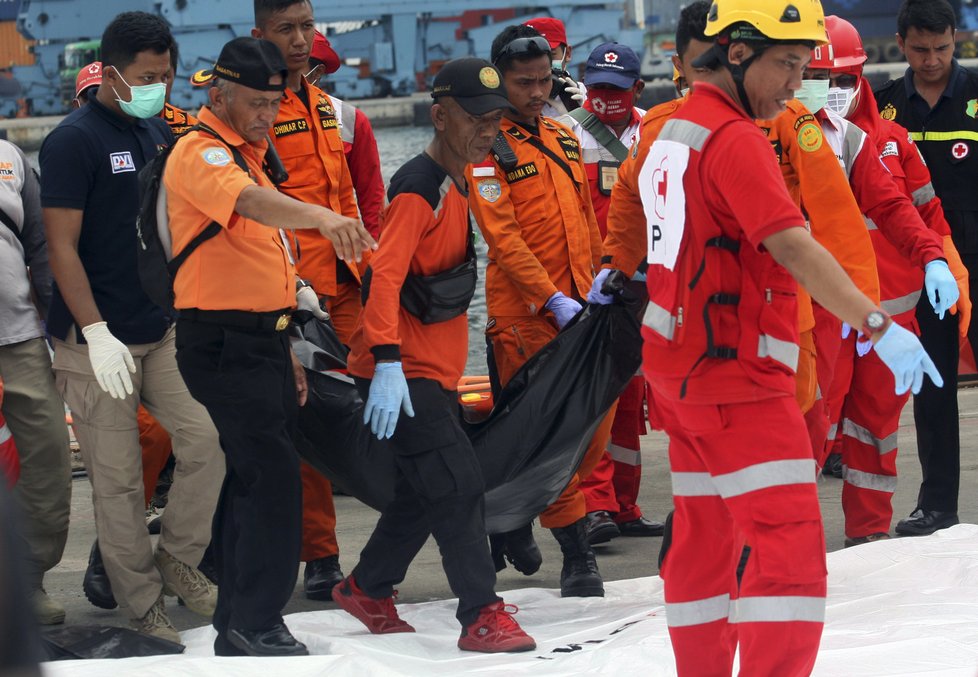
868, 480
620, 454
709, 610
833, 430
745, 480
693, 484
766, 475
785, 352
902, 304
776, 610
5, 434
659, 320
923, 195
858, 432
685, 132
591, 156
958, 135
870, 224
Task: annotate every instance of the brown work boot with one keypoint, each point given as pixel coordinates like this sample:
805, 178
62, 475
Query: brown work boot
186, 582
156, 623
46, 610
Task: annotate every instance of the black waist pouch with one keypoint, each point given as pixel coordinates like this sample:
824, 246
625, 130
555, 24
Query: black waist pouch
445, 295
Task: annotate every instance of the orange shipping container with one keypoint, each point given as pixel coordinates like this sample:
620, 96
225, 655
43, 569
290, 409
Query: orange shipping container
14, 49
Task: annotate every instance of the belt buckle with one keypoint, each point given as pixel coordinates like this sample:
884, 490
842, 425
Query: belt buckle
282, 322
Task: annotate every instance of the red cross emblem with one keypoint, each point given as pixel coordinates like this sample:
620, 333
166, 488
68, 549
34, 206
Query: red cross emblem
610, 57
959, 150
660, 179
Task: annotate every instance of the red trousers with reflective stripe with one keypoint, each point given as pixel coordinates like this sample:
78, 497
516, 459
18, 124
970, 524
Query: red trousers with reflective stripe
614, 483
318, 511
828, 340
864, 411
743, 473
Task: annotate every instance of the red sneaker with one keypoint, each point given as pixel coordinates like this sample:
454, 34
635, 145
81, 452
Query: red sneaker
379, 615
496, 631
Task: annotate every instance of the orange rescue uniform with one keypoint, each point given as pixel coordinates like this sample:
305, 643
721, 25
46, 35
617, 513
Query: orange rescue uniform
537, 218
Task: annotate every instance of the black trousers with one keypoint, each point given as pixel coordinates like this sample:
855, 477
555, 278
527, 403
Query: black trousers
244, 378
440, 492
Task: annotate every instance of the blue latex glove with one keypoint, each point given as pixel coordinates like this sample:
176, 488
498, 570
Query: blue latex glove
942, 289
563, 307
388, 395
595, 296
862, 347
902, 353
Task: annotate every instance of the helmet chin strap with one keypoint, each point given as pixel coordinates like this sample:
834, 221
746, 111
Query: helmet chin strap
738, 71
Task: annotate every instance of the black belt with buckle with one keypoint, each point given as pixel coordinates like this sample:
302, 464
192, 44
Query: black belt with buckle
278, 320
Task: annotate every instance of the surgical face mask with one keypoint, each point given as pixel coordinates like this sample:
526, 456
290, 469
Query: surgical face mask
813, 94
683, 92
145, 101
841, 100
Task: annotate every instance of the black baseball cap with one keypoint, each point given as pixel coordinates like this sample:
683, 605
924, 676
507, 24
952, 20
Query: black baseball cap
249, 62
474, 83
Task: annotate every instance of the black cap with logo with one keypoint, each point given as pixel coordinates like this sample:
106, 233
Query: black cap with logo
249, 62
474, 83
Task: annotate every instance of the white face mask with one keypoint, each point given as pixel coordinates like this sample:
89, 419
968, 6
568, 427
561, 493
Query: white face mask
683, 92
813, 94
842, 100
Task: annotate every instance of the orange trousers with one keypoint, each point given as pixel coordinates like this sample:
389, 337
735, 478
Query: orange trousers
156, 448
318, 510
514, 341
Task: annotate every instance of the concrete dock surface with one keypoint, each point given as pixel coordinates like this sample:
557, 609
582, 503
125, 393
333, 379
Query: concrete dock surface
622, 558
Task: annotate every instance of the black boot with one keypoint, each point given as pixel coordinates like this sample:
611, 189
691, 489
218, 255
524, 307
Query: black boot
96, 583
517, 546
579, 576
321, 576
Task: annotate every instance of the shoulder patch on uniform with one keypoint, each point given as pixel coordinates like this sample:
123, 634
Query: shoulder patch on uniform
515, 133
971, 108
483, 170
216, 155
802, 119
489, 189
889, 112
810, 137
890, 149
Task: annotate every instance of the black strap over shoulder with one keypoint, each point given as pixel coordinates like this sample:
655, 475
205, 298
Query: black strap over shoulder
540, 146
8, 221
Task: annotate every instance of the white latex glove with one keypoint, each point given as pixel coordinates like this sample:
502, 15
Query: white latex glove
862, 347
307, 299
573, 89
901, 351
111, 360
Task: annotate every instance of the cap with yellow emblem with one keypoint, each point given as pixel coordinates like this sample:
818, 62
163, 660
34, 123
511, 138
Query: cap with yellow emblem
474, 83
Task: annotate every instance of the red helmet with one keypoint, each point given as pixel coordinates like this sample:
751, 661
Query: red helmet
844, 53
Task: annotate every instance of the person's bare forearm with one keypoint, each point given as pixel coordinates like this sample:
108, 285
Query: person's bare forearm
271, 208
820, 274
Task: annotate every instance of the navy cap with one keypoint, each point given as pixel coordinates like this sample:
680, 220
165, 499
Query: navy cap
612, 64
249, 62
474, 83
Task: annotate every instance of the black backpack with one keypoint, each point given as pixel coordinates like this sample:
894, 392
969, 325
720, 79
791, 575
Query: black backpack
154, 252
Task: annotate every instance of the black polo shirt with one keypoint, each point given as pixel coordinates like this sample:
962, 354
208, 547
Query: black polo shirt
91, 162
947, 136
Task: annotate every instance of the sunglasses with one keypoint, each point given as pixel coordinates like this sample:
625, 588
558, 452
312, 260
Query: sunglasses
533, 46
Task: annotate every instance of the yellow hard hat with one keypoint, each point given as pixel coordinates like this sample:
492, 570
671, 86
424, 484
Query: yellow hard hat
776, 20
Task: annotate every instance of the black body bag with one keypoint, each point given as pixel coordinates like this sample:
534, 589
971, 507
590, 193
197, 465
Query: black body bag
532, 442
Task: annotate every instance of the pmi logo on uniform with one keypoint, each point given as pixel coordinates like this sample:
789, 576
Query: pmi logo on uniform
122, 162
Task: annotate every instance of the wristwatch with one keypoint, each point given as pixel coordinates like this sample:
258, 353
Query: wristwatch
875, 322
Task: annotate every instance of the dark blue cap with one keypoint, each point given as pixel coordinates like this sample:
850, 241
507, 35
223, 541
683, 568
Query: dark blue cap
612, 64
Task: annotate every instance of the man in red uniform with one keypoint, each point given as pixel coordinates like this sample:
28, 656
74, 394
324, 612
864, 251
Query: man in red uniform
865, 419
721, 340
359, 143
408, 354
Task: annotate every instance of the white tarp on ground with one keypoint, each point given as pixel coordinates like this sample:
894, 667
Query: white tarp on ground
901, 607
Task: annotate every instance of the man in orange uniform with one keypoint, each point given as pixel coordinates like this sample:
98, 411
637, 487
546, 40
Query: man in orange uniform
721, 341
307, 137
409, 354
532, 203
235, 293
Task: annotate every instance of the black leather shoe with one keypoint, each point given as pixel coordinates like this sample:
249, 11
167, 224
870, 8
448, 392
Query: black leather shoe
641, 527
223, 647
871, 538
273, 641
600, 528
321, 576
519, 548
923, 522
98, 589
833, 466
